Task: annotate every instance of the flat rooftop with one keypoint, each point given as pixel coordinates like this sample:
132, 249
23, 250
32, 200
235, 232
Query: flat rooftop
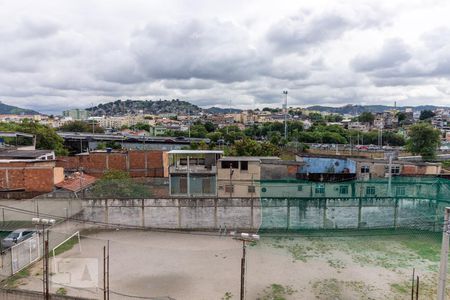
195, 152
23, 154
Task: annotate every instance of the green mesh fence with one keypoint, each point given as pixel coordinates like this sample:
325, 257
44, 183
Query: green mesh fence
409, 203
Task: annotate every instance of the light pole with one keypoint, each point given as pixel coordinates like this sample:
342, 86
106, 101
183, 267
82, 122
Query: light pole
285, 114
44, 222
441, 294
244, 237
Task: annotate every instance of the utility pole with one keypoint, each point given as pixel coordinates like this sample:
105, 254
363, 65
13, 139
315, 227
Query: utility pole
285, 114
189, 123
92, 119
45, 254
244, 237
390, 175
441, 295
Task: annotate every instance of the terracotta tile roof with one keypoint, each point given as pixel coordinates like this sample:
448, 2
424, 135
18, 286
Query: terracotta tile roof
76, 182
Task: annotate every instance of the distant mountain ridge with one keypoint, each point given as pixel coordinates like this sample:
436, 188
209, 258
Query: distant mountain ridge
351, 109
6, 109
219, 110
174, 106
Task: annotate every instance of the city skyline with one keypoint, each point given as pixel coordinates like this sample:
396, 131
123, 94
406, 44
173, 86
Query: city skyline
323, 53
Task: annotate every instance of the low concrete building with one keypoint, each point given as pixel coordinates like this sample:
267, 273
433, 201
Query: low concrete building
379, 168
193, 172
240, 176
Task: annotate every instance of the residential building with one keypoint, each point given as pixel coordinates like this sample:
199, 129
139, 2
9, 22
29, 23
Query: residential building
326, 168
193, 172
240, 176
77, 114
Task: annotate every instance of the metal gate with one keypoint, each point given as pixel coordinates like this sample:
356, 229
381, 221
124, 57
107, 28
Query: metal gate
25, 253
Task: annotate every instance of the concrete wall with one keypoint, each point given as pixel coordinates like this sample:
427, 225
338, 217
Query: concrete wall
14, 210
268, 213
181, 213
375, 213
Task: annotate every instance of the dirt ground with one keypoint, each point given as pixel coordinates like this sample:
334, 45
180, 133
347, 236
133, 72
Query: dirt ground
197, 266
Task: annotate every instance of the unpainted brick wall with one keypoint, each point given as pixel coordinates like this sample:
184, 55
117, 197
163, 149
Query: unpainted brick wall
136, 163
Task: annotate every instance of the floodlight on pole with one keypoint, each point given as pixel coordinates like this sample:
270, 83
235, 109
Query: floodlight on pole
45, 281
244, 237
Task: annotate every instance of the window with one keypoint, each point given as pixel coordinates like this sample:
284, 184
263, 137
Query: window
320, 189
244, 165
400, 191
229, 189
230, 164
264, 190
395, 170
343, 190
365, 169
251, 189
370, 190
299, 188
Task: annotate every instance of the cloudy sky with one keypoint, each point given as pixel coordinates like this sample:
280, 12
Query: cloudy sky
67, 54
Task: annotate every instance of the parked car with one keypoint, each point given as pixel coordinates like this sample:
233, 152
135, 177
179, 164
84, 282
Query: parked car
17, 236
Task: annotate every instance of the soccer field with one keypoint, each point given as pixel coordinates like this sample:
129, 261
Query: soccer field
147, 264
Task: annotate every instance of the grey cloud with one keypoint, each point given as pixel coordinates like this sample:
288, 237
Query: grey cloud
307, 29
195, 49
393, 53
298, 32
30, 28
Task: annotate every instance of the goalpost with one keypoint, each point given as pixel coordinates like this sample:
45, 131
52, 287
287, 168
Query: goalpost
77, 234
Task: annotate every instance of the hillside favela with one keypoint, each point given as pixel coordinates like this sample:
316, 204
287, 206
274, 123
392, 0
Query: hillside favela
221, 150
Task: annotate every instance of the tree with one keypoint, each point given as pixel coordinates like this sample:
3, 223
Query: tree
46, 137
423, 140
315, 117
80, 126
401, 116
426, 114
366, 117
249, 147
119, 184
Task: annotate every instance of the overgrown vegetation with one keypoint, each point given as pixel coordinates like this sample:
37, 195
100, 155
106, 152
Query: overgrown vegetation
15, 280
277, 291
61, 291
67, 245
46, 137
119, 184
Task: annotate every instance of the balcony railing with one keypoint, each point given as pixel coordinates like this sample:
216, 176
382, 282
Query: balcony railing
194, 169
